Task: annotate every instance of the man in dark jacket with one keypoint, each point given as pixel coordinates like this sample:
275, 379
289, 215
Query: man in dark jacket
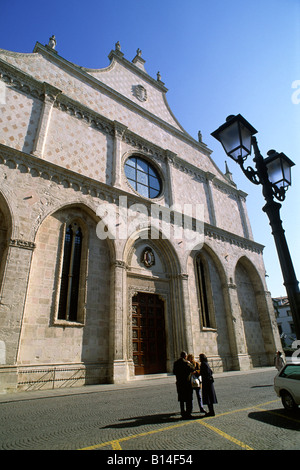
182, 369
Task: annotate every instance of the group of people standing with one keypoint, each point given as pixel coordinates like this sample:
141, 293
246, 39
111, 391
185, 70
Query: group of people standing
198, 376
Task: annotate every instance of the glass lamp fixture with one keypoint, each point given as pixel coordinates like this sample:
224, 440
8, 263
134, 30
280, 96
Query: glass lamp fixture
274, 174
279, 169
235, 136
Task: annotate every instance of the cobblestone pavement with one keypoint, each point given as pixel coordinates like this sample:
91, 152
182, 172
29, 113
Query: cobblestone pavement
144, 415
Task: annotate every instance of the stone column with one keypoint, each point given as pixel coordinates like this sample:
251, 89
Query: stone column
181, 316
188, 333
118, 325
50, 96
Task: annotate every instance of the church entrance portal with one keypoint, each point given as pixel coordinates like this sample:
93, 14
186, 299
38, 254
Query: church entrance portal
148, 334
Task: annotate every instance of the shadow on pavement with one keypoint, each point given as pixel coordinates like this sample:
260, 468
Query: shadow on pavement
261, 386
166, 418
280, 418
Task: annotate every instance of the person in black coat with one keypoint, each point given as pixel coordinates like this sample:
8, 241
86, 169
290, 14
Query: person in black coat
209, 396
182, 369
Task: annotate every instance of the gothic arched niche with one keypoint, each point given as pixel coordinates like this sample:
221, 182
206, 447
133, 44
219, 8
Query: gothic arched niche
248, 288
87, 334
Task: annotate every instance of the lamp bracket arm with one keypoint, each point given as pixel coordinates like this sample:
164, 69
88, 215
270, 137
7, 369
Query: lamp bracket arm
249, 172
279, 193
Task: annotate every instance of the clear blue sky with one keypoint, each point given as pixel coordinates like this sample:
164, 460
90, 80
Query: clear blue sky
216, 57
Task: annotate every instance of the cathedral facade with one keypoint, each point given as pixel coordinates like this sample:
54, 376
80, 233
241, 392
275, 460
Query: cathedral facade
121, 241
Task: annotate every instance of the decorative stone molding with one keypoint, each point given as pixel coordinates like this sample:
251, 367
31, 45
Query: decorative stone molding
25, 163
79, 111
144, 146
19, 80
18, 243
219, 234
67, 178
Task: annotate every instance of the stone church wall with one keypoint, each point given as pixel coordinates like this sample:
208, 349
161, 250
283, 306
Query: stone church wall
65, 135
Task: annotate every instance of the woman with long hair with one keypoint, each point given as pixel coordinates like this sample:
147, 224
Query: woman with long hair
208, 390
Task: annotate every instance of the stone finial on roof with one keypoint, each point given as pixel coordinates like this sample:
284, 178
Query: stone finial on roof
138, 61
117, 50
52, 42
228, 174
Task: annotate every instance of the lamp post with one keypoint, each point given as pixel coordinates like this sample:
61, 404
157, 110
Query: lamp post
274, 174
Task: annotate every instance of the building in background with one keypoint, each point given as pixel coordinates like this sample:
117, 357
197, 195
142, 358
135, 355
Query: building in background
121, 243
284, 321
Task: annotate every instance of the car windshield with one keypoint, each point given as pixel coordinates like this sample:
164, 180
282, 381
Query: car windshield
291, 371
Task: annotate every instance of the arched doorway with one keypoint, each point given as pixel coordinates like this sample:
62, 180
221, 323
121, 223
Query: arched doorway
148, 334
153, 285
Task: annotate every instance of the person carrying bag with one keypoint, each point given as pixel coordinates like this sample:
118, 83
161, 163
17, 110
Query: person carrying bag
196, 381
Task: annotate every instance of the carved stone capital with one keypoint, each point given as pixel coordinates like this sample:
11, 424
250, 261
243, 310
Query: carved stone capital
50, 92
119, 129
119, 264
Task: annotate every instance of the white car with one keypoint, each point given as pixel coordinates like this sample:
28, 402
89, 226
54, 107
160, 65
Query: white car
287, 385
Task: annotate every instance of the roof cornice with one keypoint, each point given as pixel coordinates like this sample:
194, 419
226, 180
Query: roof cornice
81, 73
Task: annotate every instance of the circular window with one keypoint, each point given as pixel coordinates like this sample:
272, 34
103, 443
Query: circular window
142, 177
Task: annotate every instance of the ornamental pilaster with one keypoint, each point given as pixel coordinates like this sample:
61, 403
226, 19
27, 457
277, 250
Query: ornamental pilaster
119, 131
50, 95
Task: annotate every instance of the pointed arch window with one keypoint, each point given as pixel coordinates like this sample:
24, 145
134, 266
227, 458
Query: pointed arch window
69, 297
205, 298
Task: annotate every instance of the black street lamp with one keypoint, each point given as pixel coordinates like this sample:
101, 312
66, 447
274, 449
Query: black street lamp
274, 174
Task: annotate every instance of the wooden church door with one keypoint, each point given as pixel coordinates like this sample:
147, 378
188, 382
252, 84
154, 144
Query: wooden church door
148, 334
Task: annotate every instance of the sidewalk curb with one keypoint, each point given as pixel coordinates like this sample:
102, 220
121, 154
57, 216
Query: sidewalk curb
139, 382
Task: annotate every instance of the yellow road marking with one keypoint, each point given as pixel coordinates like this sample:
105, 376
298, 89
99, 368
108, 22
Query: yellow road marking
115, 444
135, 436
246, 409
225, 435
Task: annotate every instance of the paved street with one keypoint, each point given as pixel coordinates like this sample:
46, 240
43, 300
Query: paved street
144, 415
